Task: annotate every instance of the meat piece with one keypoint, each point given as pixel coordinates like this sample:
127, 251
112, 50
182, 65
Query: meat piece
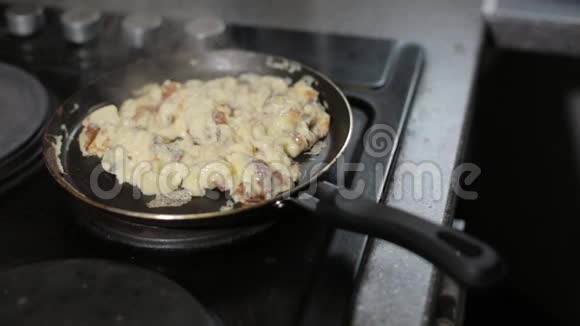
281, 182
247, 197
168, 88
256, 198
91, 132
257, 188
277, 176
219, 117
167, 151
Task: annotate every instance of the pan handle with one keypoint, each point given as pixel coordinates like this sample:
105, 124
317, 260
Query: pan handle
466, 259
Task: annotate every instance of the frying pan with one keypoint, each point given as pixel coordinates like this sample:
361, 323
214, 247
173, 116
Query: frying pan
468, 260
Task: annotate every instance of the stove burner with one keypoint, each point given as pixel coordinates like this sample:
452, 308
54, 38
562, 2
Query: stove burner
95, 292
154, 237
24, 107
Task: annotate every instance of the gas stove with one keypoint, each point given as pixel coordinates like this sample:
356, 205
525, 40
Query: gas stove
295, 271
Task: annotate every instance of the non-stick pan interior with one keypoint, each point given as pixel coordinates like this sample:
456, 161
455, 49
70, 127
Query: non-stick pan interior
82, 174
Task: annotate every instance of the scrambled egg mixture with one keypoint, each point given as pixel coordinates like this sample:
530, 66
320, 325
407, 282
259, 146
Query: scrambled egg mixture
235, 134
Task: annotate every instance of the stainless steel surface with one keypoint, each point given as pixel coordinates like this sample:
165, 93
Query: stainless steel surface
23, 20
138, 28
397, 287
79, 25
535, 25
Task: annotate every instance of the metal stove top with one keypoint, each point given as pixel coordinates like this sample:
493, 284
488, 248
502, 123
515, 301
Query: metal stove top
295, 272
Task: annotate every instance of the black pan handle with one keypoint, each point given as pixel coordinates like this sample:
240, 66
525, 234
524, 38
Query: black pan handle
466, 259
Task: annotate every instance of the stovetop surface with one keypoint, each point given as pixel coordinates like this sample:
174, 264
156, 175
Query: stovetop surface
299, 271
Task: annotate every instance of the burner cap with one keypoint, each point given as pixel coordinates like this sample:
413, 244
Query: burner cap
94, 292
23, 108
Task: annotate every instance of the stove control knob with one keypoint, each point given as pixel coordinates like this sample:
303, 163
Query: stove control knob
139, 28
80, 26
23, 20
204, 33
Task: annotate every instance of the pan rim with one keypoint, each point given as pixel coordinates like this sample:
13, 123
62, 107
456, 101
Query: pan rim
204, 215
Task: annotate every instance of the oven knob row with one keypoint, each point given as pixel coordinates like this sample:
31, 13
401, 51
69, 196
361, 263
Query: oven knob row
80, 26
23, 20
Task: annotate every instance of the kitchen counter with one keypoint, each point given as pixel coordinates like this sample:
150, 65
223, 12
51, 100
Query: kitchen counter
397, 288
535, 25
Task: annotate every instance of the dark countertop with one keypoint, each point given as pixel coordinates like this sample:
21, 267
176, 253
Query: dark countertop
397, 287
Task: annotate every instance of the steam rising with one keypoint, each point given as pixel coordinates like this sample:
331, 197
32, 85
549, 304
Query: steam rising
112, 51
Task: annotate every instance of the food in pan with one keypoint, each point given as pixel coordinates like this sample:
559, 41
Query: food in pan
236, 134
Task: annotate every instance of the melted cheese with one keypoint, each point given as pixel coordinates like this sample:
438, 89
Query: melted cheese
238, 135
